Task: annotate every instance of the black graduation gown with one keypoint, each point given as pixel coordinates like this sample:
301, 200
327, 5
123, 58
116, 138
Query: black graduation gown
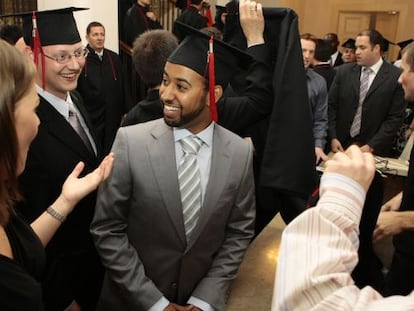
189, 17
102, 89
136, 22
20, 287
73, 268
146, 110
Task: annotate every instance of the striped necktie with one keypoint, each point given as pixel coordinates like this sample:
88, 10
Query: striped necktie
77, 126
363, 90
190, 183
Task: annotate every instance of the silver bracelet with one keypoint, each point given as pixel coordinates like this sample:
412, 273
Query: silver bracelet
55, 214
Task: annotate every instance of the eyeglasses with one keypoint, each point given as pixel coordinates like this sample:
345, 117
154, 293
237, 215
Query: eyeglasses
65, 58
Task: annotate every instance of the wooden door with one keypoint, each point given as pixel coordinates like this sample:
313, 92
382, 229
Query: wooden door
351, 23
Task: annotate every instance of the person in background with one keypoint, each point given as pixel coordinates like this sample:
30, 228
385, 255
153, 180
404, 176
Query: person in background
348, 55
336, 55
318, 96
22, 255
366, 103
138, 19
73, 274
101, 85
397, 216
191, 16
13, 34
150, 53
321, 63
319, 248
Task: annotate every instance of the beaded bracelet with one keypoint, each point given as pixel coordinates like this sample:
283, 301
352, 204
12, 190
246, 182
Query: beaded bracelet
55, 214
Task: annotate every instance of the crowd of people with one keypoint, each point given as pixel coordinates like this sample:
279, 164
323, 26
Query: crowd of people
110, 205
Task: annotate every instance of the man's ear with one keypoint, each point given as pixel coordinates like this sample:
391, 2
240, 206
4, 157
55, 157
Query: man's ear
218, 92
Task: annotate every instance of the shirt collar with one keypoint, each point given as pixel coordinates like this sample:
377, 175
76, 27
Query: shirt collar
59, 104
376, 67
205, 135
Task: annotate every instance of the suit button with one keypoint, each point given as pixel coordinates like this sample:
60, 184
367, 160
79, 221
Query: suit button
174, 285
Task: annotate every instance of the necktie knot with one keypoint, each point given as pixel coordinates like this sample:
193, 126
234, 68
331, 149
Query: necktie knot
191, 144
72, 111
77, 126
366, 71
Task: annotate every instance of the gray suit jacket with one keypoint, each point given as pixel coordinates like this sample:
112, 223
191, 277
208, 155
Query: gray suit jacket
138, 225
382, 110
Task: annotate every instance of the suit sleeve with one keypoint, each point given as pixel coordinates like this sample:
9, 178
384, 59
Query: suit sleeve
109, 230
239, 231
333, 104
238, 112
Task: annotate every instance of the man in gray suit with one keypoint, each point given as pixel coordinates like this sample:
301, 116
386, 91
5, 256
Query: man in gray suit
369, 116
154, 258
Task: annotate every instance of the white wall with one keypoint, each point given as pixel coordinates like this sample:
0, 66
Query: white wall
104, 11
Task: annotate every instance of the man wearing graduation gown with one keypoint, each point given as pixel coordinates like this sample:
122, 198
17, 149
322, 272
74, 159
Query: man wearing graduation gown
73, 273
101, 85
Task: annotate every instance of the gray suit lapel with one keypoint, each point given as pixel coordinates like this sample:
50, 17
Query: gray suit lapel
162, 156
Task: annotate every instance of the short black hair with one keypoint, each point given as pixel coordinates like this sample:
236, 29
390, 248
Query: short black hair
150, 53
375, 37
323, 50
11, 33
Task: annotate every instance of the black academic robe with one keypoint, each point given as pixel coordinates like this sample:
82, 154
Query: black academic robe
190, 17
73, 269
101, 85
287, 171
136, 22
148, 109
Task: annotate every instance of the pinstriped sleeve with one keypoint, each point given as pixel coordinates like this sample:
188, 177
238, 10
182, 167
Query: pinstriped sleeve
319, 251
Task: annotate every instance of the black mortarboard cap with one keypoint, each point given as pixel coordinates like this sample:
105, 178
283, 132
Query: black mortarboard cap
55, 26
193, 50
349, 44
404, 43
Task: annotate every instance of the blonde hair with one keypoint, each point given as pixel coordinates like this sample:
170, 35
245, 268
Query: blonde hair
17, 74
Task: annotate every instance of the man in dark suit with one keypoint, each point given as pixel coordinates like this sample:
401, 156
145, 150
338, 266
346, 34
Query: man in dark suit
336, 55
73, 275
366, 113
140, 225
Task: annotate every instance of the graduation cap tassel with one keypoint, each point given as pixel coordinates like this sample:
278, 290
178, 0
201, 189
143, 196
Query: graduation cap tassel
35, 39
209, 18
212, 81
37, 47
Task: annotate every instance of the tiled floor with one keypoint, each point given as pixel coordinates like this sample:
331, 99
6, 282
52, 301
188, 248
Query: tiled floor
253, 288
